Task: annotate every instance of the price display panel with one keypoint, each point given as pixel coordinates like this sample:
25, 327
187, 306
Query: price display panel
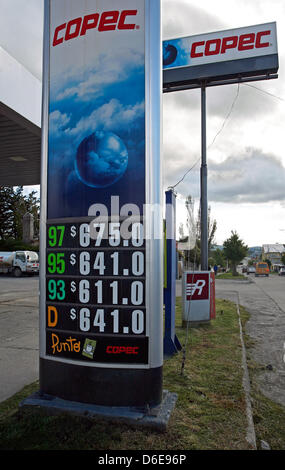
95, 292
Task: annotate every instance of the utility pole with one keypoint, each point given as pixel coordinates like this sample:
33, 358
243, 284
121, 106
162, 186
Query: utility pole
203, 175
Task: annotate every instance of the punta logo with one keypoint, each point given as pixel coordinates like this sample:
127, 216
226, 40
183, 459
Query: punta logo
106, 21
241, 43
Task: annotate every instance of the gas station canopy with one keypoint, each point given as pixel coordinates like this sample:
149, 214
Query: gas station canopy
20, 124
20, 149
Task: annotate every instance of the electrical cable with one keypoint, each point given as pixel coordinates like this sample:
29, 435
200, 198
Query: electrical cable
219, 131
188, 171
187, 324
189, 309
264, 91
226, 118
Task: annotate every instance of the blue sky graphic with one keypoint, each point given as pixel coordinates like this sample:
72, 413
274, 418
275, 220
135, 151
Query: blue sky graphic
110, 97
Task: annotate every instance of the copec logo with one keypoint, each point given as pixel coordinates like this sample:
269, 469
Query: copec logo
122, 349
106, 21
242, 42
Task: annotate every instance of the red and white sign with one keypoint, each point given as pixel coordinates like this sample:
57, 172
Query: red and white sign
231, 44
198, 294
197, 286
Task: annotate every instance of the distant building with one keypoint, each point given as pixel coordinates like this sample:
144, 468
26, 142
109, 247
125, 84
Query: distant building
273, 253
184, 244
255, 252
217, 247
246, 260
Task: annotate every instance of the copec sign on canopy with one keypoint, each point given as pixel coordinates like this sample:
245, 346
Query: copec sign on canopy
235, 53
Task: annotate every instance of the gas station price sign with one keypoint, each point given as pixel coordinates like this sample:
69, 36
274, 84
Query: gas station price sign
95, 285
101, 277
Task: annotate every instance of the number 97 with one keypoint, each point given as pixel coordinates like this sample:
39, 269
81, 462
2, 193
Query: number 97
55, 235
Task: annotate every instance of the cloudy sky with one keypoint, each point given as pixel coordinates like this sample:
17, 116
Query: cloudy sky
245, 125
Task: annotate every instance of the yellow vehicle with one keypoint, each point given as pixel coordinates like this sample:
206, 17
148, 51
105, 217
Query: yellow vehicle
261, 269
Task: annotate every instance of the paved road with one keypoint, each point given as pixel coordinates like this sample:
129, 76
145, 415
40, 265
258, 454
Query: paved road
19, 343
264, 299
274, 286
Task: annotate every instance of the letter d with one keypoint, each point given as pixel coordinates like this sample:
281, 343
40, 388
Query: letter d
146, 459
55, 316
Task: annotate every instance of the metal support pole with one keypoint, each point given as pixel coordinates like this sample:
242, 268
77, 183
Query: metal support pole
204, 195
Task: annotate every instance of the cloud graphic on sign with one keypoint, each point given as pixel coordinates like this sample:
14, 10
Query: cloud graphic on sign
57, 122
109, 97
110, 116
103, 73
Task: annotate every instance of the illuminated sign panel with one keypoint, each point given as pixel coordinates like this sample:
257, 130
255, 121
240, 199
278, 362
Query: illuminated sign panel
248, 51
97, 287
101, 305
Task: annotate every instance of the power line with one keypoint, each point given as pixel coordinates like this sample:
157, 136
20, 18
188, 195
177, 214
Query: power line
188, 171
225, 121
226, 118
190, 302
264, 91
220, 130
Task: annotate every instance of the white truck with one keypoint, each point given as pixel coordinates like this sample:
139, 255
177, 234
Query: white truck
19, 262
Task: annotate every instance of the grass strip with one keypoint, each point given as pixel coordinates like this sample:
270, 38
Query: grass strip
230, 275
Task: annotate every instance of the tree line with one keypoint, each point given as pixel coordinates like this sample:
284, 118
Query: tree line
234, 249
14, 204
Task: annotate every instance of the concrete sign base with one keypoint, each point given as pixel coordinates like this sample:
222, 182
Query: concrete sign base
155, 418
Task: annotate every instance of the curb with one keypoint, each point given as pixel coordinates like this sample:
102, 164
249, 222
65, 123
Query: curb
246, 281
250, 434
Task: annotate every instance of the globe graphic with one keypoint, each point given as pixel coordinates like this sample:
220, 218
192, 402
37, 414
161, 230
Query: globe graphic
169, 54
101, 159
